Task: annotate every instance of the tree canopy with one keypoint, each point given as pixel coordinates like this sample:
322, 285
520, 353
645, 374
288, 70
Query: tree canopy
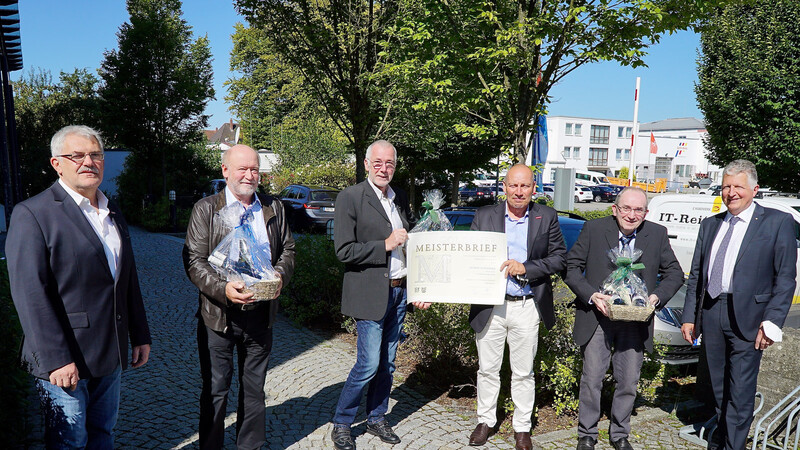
749, 89
157, 85
42, 106
497, 61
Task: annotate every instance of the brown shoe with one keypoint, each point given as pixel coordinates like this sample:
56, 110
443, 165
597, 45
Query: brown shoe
523, 441
479, 435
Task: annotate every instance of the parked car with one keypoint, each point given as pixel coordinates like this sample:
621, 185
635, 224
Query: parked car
548, 192
469, 194
667, 331
213, 187
603, 193
583, 194
571, 224
714, 189
308, 207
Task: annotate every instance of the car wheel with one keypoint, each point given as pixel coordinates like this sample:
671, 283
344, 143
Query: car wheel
597, 198
577, 200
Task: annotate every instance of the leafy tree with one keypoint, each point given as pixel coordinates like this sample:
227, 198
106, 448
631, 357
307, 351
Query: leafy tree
749, 89
42, 106
276, 107
157, 85
497, 60
334, 45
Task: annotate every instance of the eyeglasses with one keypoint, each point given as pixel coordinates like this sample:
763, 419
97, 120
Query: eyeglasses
78, 158
628, 209
390, 165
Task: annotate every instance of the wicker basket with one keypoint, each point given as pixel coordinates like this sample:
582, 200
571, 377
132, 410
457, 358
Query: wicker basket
630, 313
264, 290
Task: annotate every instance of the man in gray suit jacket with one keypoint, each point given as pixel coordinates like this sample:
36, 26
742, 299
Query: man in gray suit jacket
75, 287
598, 337
536, 251
371, 228
739, 292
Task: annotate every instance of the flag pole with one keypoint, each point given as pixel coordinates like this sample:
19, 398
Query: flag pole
631, 166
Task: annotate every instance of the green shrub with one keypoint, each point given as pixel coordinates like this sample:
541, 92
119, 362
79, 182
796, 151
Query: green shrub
315, 290
15, 385
441, 336
335, 174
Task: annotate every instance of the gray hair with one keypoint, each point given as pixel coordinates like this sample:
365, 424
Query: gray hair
738, 166
632, 189
380, 143
57, 142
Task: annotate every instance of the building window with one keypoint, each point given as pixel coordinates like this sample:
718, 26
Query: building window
565, 153
599, 134
568, 129
628, 131
683, 170
576, 153
620, 131
626, 155
619, 154
598, 156
577, 129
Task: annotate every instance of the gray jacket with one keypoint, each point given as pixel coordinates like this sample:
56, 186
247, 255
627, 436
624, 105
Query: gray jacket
206, 230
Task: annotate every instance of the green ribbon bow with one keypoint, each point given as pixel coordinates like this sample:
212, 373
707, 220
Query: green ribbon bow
429, 212
625, 267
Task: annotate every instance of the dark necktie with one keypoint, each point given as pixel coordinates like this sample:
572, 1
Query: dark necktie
626, 240
715, 279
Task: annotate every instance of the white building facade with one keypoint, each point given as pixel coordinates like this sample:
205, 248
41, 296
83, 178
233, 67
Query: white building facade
604, 145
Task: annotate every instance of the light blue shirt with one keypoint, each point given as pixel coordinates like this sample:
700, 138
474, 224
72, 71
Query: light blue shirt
517, 238
259, 226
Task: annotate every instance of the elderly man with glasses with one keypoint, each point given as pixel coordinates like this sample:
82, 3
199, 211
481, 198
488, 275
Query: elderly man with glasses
602, 340
371, 222
75, 287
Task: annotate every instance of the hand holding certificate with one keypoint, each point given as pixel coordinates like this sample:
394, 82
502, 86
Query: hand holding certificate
456, 267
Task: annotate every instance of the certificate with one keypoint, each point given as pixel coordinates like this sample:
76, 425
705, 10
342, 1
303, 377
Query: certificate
456, 267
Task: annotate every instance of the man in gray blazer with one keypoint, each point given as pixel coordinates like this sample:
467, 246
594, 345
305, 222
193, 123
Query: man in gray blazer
75, 287
371, 228
739, 292
536, 251
588, 265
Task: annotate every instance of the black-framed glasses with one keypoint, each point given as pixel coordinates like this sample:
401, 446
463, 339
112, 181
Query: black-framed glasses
78, 158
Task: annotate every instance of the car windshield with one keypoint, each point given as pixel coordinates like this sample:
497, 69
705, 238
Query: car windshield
323, 195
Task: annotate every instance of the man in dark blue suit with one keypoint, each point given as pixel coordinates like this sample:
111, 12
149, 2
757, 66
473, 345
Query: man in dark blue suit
74, 284
740, 288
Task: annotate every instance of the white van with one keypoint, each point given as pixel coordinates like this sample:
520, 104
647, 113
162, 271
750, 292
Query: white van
682, 214
589, 178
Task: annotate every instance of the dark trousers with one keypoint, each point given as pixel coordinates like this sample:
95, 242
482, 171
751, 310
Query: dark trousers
733, 364
620, 343
249, 334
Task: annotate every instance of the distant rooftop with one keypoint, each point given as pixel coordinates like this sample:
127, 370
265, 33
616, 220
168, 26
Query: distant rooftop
685, 123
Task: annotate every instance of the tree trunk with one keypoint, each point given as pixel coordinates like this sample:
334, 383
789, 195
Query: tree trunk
412, 189
454, 197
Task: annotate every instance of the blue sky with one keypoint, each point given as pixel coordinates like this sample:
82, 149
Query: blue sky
62, 35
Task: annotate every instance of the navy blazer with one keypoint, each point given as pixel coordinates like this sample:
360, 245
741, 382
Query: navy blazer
763, 279
69, 304
361, 227
588, 265
546, 256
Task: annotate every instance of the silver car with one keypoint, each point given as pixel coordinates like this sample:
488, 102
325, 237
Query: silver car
667, 324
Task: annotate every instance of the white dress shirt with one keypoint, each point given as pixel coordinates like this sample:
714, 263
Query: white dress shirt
737, 237
101, 223
258, 225
397, 266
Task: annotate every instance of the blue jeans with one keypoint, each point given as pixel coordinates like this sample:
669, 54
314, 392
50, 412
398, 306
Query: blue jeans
83, 418
377, 347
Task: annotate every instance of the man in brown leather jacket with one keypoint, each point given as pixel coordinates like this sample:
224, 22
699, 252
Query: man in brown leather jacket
228, 317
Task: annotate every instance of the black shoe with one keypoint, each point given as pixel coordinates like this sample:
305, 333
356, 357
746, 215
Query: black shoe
622, 444
383, 431
586, 443
342, 439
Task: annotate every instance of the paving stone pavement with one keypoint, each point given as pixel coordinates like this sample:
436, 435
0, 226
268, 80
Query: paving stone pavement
159, 404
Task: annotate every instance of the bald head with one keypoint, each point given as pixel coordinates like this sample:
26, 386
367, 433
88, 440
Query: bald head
240, 169
518, 185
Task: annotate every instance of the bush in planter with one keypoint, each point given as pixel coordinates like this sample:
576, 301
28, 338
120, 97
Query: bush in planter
315, 290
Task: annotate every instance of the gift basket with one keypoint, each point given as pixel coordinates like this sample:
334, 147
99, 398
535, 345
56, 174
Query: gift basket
433, 219
628, 292
240, 257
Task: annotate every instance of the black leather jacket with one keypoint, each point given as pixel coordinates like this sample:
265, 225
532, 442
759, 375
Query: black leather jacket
206, 230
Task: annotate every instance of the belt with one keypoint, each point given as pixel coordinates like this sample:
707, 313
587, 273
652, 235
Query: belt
709, 301
397, 282
518, 298
249, 306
